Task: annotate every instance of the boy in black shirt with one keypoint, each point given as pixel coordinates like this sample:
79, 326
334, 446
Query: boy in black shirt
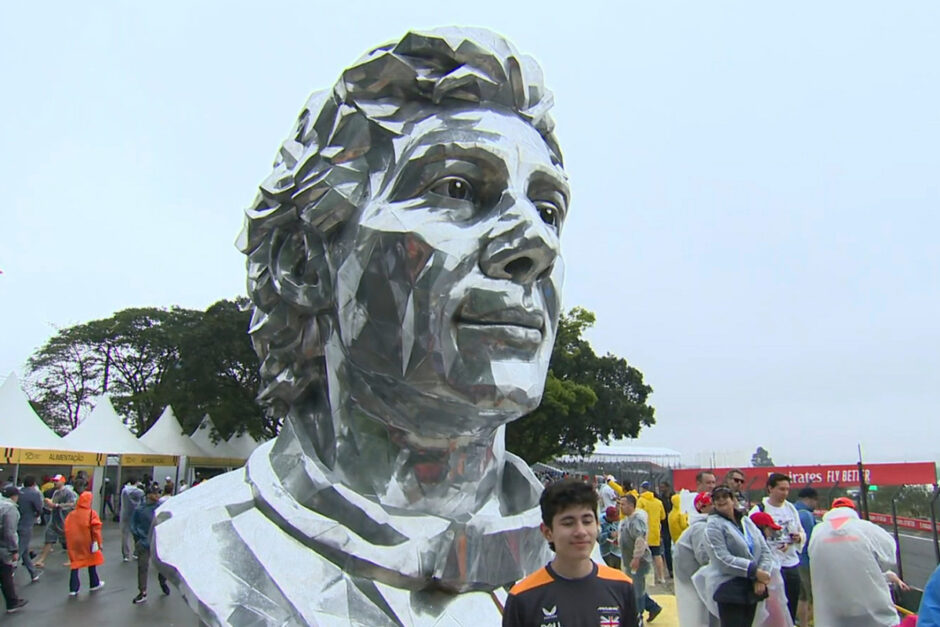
571, 590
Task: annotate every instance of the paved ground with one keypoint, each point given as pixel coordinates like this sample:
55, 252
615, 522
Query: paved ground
917, 558
49, 603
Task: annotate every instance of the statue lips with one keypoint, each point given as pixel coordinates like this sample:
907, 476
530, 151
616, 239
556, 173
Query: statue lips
514, 326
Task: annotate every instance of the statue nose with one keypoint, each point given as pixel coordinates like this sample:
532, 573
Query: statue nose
521, 246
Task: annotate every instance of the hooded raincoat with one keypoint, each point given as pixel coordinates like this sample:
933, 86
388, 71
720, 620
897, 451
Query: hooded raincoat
678, 520
848, 559
82, 529
688, 555
734, 550
655, 513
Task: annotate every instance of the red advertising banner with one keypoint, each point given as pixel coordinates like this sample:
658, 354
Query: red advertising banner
822, 476
914, 524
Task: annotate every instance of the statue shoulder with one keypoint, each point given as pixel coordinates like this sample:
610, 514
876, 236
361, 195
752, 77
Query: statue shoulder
212, 501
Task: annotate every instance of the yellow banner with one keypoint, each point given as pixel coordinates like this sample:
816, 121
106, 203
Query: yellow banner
217, 462
149, 460
53, 458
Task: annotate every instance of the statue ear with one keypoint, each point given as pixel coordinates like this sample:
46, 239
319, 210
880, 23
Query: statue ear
300, 269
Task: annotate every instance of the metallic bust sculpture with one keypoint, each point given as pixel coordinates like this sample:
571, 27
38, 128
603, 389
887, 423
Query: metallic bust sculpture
405, 272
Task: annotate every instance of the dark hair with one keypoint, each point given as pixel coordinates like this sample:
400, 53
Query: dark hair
29, 481
734, 471
566, 493
702, 473
626, 484
776, 477
131, 479
630, 499
808, 493
722, 491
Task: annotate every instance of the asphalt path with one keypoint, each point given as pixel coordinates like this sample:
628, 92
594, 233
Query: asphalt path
918, 558
49, 603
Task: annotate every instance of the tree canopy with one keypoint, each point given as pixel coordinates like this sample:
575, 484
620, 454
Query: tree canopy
203, 362
761, 458
148, 358
587, 398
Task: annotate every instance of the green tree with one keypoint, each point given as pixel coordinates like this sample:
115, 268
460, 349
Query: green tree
587, 398
148, 358
217, 373
761, 458
70, 370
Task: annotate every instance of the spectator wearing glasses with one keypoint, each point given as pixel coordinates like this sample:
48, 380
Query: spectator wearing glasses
735, 481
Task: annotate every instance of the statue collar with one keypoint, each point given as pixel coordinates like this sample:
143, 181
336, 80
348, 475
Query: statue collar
415, 551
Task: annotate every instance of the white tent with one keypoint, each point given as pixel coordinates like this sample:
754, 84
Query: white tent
103, 431
202, 436
20, 426
243, 444
166, 437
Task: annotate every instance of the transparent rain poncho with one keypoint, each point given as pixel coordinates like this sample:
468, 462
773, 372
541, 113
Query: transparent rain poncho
848, 559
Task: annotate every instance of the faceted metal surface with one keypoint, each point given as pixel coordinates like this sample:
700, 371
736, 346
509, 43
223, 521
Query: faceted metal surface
404, 269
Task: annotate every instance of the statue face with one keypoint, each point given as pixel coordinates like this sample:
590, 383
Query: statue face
448, 283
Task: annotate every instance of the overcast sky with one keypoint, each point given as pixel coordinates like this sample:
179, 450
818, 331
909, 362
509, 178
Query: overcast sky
755, 213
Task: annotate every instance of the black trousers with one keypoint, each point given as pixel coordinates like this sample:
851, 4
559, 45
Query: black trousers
791, 584
6, 584
736, 614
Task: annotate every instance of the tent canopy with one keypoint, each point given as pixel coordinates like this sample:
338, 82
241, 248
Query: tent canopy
166, 437
202, 436
20, 426
243, 444
103, 431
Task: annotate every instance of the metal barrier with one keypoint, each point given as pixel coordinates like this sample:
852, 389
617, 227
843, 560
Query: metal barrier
933, 521
897, 534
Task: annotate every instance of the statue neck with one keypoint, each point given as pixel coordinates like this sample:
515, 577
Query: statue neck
449, 477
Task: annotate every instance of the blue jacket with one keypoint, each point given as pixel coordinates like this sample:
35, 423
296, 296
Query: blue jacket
142, 522
929, 613
808, 520
607, 530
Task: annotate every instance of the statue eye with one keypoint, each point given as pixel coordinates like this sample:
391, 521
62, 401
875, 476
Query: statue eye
455, 187
549, 213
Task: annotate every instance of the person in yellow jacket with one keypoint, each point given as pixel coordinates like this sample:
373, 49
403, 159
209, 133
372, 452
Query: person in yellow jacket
656, 513
616, 486
678, 521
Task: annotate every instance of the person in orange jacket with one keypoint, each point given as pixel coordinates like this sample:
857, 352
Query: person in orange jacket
83, 539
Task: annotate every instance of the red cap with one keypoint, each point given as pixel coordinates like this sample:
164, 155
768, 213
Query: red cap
763, 519
58, 478
612, 513
702, 499
843, 501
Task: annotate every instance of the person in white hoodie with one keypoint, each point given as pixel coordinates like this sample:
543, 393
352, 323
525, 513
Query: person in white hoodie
850, 563
688, 555
788, 540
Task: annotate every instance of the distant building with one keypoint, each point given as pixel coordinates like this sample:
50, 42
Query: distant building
624, 453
